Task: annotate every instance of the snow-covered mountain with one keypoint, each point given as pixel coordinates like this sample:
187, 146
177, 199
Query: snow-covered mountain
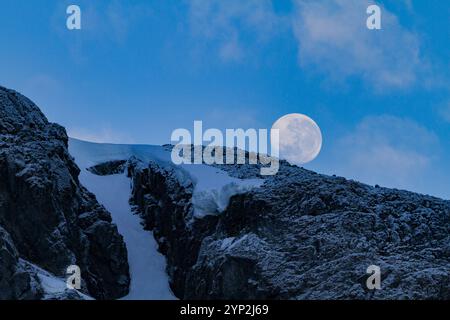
141, 227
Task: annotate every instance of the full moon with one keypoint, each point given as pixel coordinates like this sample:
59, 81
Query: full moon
300, 139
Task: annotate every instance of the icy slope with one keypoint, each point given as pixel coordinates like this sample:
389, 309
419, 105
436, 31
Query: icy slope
147, 266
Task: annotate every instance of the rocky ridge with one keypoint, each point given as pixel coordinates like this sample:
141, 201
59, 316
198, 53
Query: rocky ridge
47, 218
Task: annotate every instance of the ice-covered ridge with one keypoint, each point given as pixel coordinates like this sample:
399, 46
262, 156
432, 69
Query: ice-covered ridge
88, 154
213, 187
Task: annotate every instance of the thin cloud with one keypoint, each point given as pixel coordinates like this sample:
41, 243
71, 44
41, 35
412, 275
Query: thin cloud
387, 150
227, 23
332, 37
333, 40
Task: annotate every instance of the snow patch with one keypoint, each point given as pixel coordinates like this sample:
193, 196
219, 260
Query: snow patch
215, 201
54, 287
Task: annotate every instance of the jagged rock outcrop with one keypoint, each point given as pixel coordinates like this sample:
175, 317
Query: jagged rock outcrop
300, 236
46, 217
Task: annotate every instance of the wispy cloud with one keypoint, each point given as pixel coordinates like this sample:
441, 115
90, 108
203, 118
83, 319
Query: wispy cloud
333, 40
387, 150
227, 23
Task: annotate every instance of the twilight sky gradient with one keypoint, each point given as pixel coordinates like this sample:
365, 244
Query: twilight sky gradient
140, 69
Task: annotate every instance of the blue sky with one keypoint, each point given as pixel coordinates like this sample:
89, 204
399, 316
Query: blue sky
139, 69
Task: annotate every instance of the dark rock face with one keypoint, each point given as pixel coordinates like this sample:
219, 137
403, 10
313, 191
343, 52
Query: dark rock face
300, 236
52, 221
15, 281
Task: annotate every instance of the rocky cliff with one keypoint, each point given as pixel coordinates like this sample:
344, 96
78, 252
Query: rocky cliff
300, 236
47, 219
